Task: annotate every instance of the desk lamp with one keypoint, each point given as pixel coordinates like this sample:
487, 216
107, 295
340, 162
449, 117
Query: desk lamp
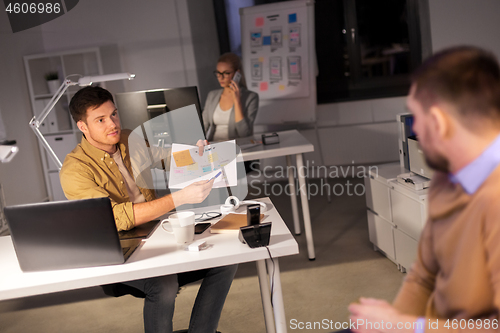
7, 151
83, 81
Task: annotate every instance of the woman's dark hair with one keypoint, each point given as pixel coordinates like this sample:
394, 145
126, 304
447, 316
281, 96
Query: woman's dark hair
235, 62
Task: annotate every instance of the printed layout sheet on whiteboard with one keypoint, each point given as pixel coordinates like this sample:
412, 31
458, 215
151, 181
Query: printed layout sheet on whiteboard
277, 44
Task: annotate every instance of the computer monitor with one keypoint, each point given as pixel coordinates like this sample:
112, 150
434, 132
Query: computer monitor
136, 108
405, 129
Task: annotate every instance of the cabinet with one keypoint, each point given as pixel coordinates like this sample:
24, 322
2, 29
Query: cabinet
396, 214
3, 221
59, 129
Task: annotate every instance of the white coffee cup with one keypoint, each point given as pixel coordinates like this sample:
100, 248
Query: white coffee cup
181, 224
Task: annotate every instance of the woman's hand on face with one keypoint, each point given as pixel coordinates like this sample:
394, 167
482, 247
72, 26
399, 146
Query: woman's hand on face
235, 91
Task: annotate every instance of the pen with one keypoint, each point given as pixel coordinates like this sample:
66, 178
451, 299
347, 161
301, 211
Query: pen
217, 175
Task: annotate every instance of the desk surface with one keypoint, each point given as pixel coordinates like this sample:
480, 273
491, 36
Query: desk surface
291, 143
158, 255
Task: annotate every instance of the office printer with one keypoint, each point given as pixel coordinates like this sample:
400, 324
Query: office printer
411, 156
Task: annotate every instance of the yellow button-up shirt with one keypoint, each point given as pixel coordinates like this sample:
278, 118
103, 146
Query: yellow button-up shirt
89, 172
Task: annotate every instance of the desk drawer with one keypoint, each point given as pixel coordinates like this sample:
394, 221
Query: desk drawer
408, 214
381, 233
406, 249
378, 198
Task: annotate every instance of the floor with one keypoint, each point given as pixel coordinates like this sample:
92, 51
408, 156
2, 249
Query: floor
346, 267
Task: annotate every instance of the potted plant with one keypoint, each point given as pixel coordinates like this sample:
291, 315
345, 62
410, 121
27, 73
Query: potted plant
52, 79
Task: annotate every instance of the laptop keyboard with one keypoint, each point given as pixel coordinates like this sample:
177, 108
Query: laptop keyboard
125, 250
129, 246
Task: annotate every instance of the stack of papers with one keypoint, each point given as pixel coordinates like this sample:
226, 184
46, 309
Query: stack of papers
413, 181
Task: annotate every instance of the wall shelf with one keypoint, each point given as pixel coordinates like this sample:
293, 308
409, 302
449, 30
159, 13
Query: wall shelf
58, 128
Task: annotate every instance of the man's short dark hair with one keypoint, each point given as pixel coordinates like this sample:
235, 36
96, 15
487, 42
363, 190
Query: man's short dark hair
88, 98
467, 77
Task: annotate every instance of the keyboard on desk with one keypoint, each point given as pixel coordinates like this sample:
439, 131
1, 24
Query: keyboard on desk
129, 246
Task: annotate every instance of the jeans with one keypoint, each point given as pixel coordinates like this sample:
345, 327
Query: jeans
161, 292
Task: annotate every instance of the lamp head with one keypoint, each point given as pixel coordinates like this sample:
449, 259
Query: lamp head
88, 80
7, 152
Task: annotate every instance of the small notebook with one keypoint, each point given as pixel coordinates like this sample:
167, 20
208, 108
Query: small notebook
231, 223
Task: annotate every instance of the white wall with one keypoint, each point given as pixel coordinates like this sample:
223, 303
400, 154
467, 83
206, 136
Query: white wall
166, 43
360, 132
22, 179
205, 44
455, 22
146, 32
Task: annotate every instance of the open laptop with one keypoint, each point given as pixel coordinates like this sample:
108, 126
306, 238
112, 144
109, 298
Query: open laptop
67, 234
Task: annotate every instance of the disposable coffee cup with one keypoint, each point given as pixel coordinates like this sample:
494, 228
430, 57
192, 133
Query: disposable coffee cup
180, 224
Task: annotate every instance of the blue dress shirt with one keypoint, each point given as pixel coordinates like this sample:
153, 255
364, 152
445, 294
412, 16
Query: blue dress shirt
473, 175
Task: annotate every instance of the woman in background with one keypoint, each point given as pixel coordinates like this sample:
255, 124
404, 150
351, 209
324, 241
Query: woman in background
230, 112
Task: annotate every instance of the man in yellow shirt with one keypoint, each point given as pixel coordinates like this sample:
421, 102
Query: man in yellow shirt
100, 166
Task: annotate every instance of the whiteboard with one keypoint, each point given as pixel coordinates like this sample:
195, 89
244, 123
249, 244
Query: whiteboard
279, 60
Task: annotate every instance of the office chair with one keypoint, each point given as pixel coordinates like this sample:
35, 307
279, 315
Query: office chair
120, 289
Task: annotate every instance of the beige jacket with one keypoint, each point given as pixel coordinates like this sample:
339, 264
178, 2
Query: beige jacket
457, 272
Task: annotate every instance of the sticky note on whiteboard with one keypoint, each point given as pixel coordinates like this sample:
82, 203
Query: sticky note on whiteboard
292, 18
263, 86
259, 21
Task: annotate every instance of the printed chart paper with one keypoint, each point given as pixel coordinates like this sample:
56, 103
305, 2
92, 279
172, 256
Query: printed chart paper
188, 166
276, 44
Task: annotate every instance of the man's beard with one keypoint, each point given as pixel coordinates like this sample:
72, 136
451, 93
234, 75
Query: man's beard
438, 163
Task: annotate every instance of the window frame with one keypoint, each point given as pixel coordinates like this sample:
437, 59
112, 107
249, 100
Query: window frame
359, 88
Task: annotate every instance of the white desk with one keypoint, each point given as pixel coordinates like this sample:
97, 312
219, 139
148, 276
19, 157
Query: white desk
160, 255
291, 143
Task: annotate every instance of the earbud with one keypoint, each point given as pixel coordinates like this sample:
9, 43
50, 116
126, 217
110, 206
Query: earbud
233, 201
236, 203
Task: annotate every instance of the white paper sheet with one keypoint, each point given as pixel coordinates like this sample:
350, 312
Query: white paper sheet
216, 157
